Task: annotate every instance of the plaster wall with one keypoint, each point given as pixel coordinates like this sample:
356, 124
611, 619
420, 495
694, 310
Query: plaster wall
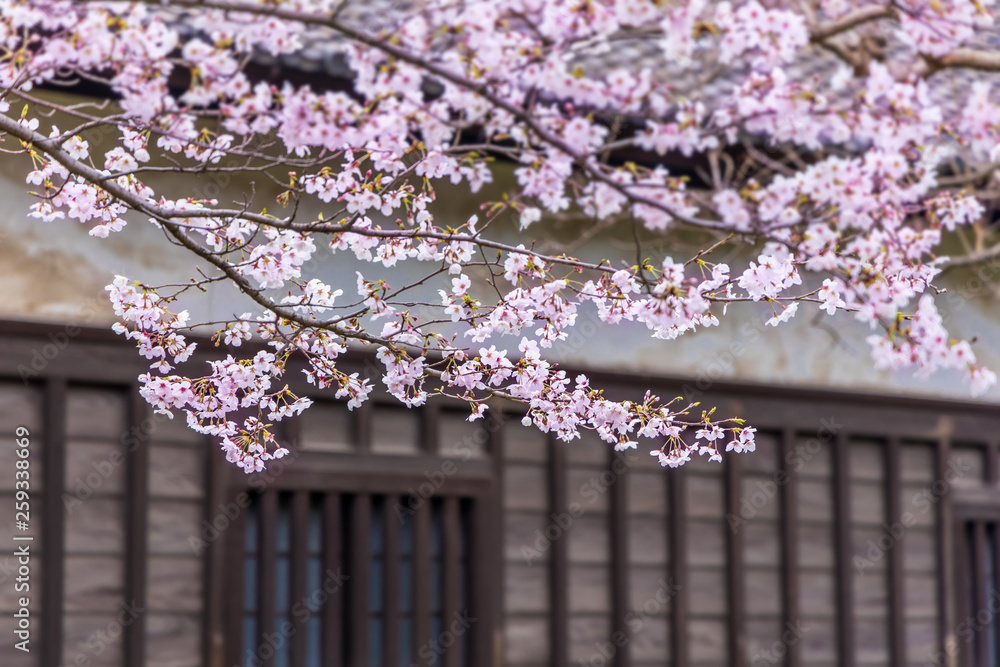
56, 272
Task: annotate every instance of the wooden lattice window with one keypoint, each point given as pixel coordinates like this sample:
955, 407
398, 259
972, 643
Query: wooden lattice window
977, 633
360, 579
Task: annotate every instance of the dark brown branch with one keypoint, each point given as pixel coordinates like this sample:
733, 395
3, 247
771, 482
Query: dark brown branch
986, 61
851, 21
973, 258
480, 88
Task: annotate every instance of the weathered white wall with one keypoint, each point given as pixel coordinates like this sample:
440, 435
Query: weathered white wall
56, 272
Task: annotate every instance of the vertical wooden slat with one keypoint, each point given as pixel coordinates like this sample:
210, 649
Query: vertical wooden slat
451, 593
963, 580
231, 600
481, 569
678, 567
945, 553
333, 609
267, 569
391, 597
994, 536
360, 545
897, 618
979, 589
558, 569
734, 566
299, 573
136, 526
496, 446
790, 546
53, 535
222, 572
845, 584
421, 580
618, 530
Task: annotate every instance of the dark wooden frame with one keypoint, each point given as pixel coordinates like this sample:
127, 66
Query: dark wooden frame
54, 511
361, 475
788, 526
355, 603
969, 570
892, 419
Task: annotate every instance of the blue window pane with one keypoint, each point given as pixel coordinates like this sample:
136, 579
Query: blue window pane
463, 514
314, 590
436, 585
406, 645
375, 586
406, 536
250, 583
405, 584
436, 528
991, 587
281, 652
314, 651
462, 588
251, 525
284, 523
435, 633
282, 576
376, 526
459, 647
315, 526
375, 642
250, 657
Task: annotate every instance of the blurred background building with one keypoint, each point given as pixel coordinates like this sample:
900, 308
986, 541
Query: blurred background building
864, 531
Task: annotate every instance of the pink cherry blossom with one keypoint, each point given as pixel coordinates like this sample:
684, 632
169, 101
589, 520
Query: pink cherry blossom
846, 169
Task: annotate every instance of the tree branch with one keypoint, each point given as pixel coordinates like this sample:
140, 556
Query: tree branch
986, 61
851, 21
480, 88
973, 258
